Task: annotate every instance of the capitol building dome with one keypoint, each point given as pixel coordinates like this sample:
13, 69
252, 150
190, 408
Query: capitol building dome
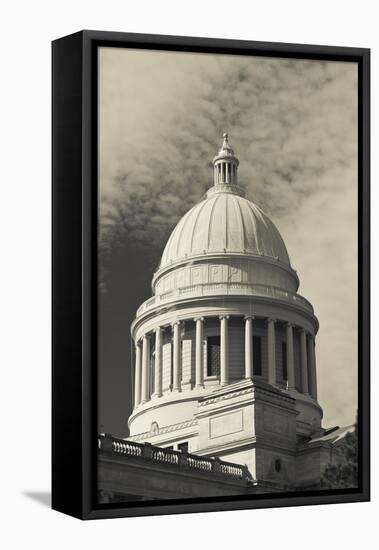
224, 222
225, 226
224, 319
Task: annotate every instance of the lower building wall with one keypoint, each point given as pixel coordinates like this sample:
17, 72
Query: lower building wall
311, 463
276, 466
251, 425
119, 478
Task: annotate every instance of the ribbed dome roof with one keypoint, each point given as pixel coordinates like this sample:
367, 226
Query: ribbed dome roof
224, 222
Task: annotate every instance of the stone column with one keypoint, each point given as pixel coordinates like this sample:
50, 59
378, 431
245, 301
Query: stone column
271, 355
224, 344
304, 361
290, 357
249, 370
312, 379
145, 368
199, 352
137, 379
176, 356
158, 363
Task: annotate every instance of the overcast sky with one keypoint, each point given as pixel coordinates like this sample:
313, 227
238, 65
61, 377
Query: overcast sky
293, 125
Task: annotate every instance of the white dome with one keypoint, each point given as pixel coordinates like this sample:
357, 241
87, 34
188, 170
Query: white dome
224, 222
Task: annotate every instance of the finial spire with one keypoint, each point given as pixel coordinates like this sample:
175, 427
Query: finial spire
225, 164
225, 148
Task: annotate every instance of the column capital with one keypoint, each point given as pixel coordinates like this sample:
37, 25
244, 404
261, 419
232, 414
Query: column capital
178, 323
221, 317
198, 319
252, 317
158, 329
271, 320
290, 325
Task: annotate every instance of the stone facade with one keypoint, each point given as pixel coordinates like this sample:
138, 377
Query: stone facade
134, 471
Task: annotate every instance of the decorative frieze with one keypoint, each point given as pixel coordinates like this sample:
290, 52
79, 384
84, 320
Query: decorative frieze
164, 430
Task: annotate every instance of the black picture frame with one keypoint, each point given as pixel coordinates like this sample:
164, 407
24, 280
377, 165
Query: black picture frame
74, 272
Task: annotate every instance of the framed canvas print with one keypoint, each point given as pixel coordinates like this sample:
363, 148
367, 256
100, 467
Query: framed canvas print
210, 274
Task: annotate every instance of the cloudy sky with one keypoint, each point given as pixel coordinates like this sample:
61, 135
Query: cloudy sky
293, 125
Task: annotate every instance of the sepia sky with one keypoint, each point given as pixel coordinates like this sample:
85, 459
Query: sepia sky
293, 126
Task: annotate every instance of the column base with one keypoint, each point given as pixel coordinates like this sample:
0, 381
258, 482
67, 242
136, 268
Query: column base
156, 395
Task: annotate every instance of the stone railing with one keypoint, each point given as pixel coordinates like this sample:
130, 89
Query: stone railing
177, 459
225, 289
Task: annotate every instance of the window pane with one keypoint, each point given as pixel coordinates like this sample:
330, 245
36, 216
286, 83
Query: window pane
257, 355
284, 360
183, 447
213, 356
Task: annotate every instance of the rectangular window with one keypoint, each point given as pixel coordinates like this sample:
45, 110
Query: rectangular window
183, 447
284, 360
257, 355
213, 356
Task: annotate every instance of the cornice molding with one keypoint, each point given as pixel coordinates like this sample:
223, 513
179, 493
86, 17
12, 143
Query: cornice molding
228, 393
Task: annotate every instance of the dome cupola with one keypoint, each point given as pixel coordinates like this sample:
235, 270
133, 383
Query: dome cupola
225, 165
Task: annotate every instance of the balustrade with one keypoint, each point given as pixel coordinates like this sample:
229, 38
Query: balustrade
145, 451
